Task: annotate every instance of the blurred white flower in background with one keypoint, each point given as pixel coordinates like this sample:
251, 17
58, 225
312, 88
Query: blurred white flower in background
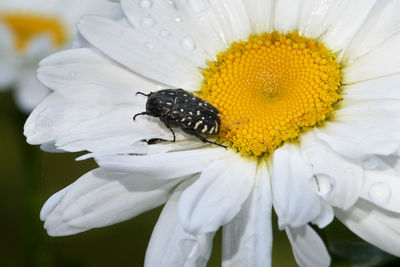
311, 132
31, 30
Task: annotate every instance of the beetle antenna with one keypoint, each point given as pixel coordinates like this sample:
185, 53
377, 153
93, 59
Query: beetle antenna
140, 93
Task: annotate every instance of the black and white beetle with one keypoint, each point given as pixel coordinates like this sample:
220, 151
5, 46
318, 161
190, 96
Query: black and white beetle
179, 108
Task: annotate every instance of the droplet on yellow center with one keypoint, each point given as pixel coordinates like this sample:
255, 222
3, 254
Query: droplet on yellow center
271, 88
27, 26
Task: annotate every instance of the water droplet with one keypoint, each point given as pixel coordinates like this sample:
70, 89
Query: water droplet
197, 6
72, 74
149, 45
165, 33
370, 163
188, 44
146, 3
170, 2
380, 192
189, 247
323, 183
178, 19
147, 22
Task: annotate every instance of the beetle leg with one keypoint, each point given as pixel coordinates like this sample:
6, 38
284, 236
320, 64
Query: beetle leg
139, 114
171, 132
202, 138
168, 124
140, 93
153, 141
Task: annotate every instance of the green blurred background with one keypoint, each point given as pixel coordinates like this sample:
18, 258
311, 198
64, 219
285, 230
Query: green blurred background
28, 177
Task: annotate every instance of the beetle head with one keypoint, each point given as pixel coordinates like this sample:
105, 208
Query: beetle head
155, 105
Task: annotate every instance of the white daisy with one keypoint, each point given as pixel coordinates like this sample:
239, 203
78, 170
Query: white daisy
31, 30
310, 120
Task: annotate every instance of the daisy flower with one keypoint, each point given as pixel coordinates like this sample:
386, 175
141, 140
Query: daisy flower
31, 30
307, 93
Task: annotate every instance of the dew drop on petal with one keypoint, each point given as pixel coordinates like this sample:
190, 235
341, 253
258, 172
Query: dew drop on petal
188, 44
178, 19
380, 192
323, 183
149, 45
197, 6
165, 33
146, 3
170, 2
147, 22
189, 247
370, 163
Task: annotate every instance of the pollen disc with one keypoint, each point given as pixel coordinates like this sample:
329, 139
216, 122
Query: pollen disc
271, 88
26, 26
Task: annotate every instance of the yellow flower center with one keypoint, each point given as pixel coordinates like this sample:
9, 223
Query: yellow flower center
27, 26
271, 88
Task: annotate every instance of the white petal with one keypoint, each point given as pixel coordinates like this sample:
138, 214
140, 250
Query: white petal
334, 22
376, 226
325, 217
140, 53
205, 19
8, 74
52, 203
217, 196
363, 129
338, 180
101, 198
51, 148
343, 21
247, 239
29, 91
381, 24
175, 29
33, 125
170, 245
381, 184
6, 38
261, 15
393, 161
380, 62
76, 126
164, 165
38, 47
313, 17
233, 19
385, 88
87, 75
295, 200
286, 15
142, 148
76, 9
307, 246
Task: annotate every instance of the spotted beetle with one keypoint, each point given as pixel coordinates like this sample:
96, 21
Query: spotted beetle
179, 108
